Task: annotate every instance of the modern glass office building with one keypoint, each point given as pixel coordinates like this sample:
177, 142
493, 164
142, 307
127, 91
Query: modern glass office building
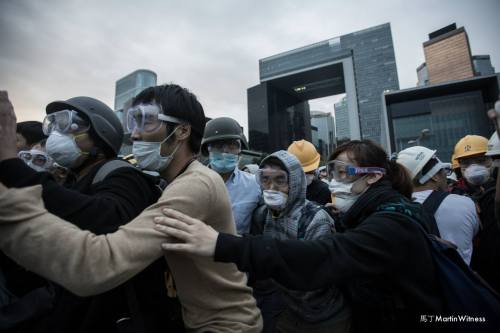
126, 89
361, 64
323, 132
342, 128
129, 86
438, 116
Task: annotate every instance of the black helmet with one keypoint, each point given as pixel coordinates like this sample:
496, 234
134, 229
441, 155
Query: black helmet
103, 120
221, 129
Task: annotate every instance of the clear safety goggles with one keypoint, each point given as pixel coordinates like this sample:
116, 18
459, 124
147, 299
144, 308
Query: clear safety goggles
148, 118
36, 157
65, 121
229, 146
268, 177
344, 172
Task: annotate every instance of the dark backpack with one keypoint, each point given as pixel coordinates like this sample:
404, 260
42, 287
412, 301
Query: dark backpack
430, 206
14, 311
465, 295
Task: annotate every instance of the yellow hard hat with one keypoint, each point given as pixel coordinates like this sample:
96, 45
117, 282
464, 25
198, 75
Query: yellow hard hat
306, 153
454, 162
470, 145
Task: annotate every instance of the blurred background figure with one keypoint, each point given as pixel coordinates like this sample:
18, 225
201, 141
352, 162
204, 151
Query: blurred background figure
29, 134
309, 158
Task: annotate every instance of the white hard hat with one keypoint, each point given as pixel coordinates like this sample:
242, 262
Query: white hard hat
493, 145
415, 158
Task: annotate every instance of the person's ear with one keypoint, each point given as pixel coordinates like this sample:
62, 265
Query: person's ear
183, 132
373, 178
436, 177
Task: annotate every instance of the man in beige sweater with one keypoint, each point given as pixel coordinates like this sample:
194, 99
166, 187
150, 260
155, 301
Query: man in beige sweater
167, 126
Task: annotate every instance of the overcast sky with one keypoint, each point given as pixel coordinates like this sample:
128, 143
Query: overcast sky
53, 50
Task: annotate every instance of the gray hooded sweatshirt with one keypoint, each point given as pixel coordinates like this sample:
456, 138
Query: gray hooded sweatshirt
314, 223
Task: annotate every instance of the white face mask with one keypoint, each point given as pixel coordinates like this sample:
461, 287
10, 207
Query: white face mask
275, 200
62, 148
309, 179
148, 154
342, 196
477, 174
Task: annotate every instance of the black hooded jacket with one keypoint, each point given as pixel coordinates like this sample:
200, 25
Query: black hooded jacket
385, 265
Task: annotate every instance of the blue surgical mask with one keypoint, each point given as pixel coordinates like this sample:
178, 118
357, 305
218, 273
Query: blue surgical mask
148, 154
223, 162
63, 149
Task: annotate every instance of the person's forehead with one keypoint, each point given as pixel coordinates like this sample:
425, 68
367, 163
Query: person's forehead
273, 167
344, 157
471, 158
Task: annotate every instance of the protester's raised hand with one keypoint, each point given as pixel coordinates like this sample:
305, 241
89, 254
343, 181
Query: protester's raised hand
195, 236
7, 128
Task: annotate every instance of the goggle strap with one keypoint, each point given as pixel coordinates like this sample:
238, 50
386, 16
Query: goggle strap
351, 171
171, 119
439, 166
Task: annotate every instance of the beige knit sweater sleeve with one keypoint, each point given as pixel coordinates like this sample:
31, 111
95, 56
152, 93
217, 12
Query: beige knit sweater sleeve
79, 260
214, 296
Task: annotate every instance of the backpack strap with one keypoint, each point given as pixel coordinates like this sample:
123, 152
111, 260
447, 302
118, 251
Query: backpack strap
433, 201
109, 167
258, 220
308, 212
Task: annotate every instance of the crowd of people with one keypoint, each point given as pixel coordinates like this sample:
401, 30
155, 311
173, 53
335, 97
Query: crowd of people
182, 238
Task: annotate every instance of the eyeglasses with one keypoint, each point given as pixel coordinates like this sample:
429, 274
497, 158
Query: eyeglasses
64, 121
230, 146
36, 157
344, 172
465, 162
267, 177
148, 118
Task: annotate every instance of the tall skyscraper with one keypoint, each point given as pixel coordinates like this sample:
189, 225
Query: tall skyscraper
361, 64
342, 128
447, 55
129, 86
323, 136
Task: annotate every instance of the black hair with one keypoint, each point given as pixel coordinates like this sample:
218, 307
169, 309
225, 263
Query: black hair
99, 145
178, 102
367, 153
31, 131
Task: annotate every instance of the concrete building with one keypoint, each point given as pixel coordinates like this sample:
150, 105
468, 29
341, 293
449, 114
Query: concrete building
447, 55
360, 64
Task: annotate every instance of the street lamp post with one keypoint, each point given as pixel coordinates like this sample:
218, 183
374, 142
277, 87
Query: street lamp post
423, 133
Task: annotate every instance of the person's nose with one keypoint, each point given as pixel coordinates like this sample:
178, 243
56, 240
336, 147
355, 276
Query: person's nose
136, 135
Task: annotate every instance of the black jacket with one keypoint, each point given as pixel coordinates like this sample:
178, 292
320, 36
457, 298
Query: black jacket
486, 254
318, 192
100, 208
384, 265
